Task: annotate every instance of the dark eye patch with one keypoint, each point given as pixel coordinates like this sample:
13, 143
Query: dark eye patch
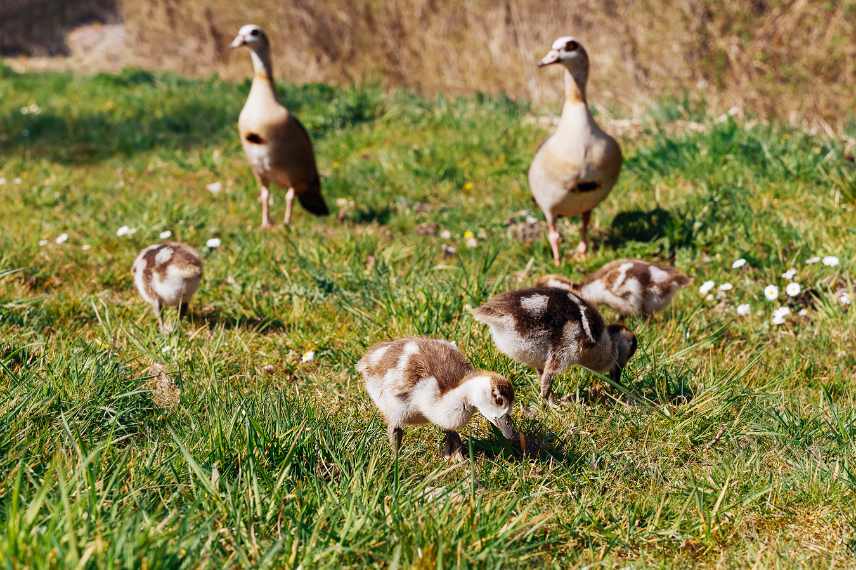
254, 33
572, 45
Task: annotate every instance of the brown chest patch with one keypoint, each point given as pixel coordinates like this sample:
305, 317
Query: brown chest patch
583, 187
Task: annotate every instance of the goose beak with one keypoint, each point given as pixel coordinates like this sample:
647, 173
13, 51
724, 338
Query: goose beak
549, 59
506, 426
237, 42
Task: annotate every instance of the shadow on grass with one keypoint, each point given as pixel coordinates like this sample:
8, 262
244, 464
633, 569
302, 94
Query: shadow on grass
368, 215
638, 225
540, 446
215, 318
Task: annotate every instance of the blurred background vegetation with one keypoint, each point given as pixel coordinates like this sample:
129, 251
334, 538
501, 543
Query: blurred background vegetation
791, 60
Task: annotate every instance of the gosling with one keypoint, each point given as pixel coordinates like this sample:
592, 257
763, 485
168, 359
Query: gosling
551, 329
423, 380
167, 275
627, 286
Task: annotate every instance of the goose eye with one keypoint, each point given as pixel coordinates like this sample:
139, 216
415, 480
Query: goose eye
254, 33
572, 46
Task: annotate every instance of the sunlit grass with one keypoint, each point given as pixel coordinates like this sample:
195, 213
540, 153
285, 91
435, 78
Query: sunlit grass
733, 442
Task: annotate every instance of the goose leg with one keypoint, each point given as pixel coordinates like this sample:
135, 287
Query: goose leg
156, 307
395, 435
453, 446
553, 238
264, 198
582, 249
289, 202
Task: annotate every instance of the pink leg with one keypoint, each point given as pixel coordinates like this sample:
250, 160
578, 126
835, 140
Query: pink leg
289, 202
264, 198
582, 249
553, 237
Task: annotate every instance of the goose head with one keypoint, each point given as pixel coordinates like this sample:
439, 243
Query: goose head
493, 396
252, 37
568, 52
624, 344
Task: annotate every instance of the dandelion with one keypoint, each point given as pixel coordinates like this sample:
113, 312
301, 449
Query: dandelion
789, 274
780, 314
771, 292
793, 289
706, 287
726, 287
61, 239
469, 235
213, 243
830, 261
126, 231
738, 263
166, 234
468, 186
812, 260
744, 310
308, 356
214, 187
446, 234
43, 242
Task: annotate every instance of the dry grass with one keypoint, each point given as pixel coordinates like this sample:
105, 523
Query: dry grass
788, 59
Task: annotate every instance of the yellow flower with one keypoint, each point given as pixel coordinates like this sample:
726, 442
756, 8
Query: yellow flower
468, 234
468, 186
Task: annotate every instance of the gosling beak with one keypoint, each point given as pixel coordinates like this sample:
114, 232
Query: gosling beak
549, 59
506, 426
237, 42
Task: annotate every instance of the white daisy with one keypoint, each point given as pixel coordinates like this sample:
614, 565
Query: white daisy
726, 287
2, 181
793, 289
43, 242
213, 243
738, 263
86, 247
812, 260
789, 274
844, 298
308, 357
771, 292
802, 312
61, 239
830, 261
214, 187
472, 242
706, 287
126, 231
17, 181
744, 310
166, 234
780, 314
446, 234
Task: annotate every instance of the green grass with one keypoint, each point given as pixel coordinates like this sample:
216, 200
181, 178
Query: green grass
733, 443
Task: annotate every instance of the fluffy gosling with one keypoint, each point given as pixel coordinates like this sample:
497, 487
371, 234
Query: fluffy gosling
423, 380
167, 275
551, 329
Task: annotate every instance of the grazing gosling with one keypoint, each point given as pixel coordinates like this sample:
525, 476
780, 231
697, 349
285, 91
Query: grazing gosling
627, 286
420, 380
167, 275
551, 329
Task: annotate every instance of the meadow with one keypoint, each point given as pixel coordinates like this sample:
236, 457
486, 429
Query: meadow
245, 438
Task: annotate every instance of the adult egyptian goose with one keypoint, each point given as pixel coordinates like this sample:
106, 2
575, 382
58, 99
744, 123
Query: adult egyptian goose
167, 275
276, 144
576, 168
551, 329
419, 380
627, 286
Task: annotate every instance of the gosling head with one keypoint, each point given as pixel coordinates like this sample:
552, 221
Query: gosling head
252, 37
493, 396
568, 52
624, 343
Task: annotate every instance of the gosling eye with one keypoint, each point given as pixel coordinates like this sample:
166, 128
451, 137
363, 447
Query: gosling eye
572, 45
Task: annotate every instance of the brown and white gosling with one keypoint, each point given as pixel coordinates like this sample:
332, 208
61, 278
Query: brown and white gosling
627, 286
551, 329
167, 275
423, 380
